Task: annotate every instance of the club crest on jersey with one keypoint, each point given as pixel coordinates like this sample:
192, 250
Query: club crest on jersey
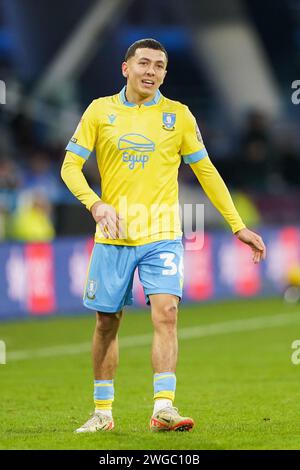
91, 289
169, 120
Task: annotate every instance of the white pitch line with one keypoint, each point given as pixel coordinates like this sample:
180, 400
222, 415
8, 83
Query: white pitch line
249, 324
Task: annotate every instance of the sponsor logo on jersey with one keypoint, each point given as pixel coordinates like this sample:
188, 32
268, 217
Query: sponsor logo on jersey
135, 149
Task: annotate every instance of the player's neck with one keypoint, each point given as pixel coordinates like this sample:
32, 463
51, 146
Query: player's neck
135, 98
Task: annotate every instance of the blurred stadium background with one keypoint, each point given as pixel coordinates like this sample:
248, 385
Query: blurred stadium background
227, 62
234, 63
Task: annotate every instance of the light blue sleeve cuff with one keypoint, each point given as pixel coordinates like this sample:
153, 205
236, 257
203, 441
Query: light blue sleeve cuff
78, 150
196, 156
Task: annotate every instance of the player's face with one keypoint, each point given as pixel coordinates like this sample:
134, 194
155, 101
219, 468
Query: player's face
145, 71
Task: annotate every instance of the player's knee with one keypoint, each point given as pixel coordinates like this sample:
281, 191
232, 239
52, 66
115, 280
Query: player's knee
166, 315
108, 322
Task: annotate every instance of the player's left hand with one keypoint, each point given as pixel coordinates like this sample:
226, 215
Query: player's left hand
254, 241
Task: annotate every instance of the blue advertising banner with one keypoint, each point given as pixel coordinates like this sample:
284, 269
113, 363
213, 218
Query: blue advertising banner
46, 279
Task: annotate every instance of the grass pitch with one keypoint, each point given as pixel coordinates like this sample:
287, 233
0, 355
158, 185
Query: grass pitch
235, 377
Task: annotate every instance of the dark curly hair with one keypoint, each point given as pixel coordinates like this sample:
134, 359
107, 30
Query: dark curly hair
148, 43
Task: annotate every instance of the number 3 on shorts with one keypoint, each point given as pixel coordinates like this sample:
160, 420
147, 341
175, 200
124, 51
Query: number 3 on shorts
169, 263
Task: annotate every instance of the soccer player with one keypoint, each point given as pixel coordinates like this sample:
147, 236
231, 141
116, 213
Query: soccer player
140, 137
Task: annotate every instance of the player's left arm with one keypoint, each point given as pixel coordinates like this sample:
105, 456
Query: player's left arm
194, 153
216, 190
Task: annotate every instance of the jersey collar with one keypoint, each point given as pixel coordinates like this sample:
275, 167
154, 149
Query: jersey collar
124, 101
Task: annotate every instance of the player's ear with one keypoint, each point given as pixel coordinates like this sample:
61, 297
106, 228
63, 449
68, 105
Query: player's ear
125, 69
164, 77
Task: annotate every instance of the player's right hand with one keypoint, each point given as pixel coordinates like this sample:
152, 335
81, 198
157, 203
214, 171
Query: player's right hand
108, 220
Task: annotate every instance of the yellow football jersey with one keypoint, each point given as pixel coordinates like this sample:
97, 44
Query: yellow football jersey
138, 151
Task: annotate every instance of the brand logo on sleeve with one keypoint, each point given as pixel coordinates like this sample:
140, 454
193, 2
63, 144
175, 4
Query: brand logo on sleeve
135, 149
169, 120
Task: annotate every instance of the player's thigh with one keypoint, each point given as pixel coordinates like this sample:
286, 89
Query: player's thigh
110, 278
161, 268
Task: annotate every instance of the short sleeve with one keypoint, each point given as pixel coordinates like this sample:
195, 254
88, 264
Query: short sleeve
192, 146
84, 138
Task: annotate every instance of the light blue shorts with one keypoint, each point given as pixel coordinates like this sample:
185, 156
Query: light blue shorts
110, 275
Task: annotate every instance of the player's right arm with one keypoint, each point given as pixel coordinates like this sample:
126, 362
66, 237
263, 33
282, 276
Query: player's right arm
79, 149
